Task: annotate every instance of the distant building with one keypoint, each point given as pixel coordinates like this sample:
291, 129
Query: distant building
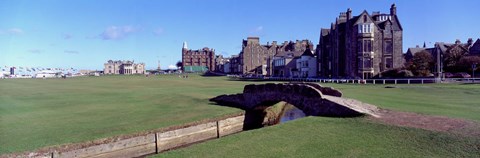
360, 46
123, 67
412, 51
259, 59
475, 47
198, 60
47, 74
441, 49
12, 70
306, 65
285, 65
220, 63
85, 72
235, 65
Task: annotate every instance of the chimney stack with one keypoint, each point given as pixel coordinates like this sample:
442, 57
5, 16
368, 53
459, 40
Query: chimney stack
349, 14
393, 9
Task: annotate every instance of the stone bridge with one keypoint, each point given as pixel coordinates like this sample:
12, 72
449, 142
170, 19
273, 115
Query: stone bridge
311, 98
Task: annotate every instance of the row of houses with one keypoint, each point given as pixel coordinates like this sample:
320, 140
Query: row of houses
441, 50
353, 47
361, 46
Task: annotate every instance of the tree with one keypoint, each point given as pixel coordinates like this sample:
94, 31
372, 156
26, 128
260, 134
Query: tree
466, 62
452, 59
179, 64
421, 63
397, 73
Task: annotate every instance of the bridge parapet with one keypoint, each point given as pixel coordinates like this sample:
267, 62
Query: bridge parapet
308, 97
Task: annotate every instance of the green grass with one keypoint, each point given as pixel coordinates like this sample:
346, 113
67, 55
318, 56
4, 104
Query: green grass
36, 113
334, 137
452, 100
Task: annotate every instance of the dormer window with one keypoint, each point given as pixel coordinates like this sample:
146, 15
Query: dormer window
383, 17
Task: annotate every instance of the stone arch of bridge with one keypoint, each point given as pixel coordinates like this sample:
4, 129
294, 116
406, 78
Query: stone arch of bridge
306, 97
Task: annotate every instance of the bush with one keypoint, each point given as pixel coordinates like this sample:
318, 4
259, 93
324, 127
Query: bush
396, 73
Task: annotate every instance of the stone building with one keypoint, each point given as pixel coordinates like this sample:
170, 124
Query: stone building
412, 51
221, 64
360, 46
234, 65
258, 59
198, 60
475, 47
123, 67
306, 64
285, 64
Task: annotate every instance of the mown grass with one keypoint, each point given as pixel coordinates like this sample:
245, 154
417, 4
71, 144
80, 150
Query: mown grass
452, 100
36, 113
334, 137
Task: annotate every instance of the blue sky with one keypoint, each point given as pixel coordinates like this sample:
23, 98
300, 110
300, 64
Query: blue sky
84, 34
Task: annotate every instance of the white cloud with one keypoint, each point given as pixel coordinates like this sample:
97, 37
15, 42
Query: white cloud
35, 51
12, 31
67, 36
15, 31
71, 52
259, 29
158, 31
172, 67
117, 32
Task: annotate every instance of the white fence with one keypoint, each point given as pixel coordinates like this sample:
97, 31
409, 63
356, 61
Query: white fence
380, 81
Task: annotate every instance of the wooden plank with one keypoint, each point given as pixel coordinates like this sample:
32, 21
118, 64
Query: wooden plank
109, 147
181, 137
130, 152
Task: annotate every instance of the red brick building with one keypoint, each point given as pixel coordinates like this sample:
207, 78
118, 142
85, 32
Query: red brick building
198, 60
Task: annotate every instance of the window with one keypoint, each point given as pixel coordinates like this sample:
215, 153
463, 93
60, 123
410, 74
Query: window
367, 62
388, 47
360, 46
367, 45
365, 28
388, 63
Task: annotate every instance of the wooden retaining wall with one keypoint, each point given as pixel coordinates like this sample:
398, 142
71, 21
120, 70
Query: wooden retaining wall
151, 143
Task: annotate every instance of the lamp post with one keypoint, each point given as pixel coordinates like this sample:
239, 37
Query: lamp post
474, 66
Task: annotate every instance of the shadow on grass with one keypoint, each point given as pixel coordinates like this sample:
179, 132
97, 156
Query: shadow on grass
212, 74
470, 83
248, 79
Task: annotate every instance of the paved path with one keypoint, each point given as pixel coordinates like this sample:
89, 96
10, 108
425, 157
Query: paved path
356, 105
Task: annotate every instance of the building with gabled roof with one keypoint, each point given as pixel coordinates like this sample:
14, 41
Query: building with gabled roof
360, 46
124, 67
200, 60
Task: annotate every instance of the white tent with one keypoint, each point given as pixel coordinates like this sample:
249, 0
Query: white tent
4, 73
46, 74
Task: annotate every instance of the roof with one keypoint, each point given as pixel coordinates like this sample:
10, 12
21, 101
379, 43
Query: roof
324, 32
308, 52
415, 50
443, 46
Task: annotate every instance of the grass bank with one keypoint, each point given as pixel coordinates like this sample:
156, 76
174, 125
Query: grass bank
452, 100
36, 113
334, 137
